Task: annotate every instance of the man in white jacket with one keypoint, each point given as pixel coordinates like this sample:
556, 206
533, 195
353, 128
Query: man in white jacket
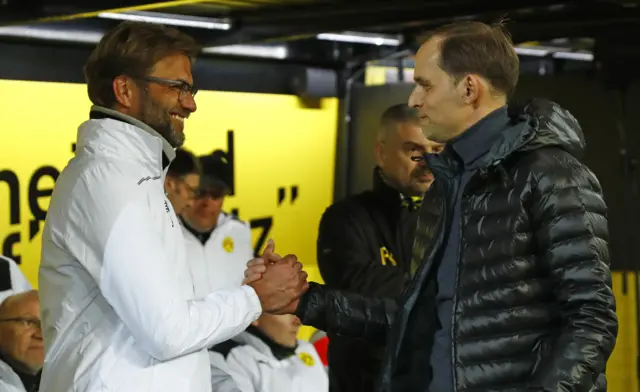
218, 244
268, 357
21, 347
119, 312
182, 180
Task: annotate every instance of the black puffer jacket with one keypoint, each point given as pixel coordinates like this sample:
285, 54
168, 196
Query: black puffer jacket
534, 309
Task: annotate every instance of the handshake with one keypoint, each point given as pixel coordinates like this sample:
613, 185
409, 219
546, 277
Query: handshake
278, 281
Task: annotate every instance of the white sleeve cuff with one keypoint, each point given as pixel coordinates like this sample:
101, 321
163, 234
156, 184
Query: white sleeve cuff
254, 301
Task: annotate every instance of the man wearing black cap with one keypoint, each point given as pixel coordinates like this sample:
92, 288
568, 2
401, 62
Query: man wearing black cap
218, 244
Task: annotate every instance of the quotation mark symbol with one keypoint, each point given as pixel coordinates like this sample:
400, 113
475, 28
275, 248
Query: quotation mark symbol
282, 194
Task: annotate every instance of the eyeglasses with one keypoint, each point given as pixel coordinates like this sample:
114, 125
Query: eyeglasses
25, 321
180, 85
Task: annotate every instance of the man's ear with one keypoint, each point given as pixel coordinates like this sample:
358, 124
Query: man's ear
124, 90
169, 183
470, 87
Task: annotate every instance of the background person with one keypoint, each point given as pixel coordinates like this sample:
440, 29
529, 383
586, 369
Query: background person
21, 344
365, 240
268, 357
182, 180
218, 244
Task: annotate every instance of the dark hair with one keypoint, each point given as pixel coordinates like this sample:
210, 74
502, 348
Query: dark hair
396, 115
399, 114
185, 163
479, 48
132, 48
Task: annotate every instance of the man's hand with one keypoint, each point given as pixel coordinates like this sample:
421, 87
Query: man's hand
282, 284
256, 267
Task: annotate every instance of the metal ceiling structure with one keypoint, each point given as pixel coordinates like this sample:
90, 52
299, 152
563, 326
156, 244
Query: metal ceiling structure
329, 32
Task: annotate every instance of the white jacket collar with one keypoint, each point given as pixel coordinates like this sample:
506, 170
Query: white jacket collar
111, 133
10, 377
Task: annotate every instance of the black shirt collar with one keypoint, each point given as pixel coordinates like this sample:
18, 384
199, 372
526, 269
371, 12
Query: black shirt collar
202, 236
477, 140
31, 382
279, 351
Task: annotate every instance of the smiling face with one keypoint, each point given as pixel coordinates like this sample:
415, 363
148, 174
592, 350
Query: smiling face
158, 103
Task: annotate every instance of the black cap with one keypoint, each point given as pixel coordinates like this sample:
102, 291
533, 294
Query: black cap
216, 173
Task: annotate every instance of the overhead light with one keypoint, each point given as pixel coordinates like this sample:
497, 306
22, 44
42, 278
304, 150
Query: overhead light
169, 19
48, 34
580, 56
273, 52
361, 38
554, 52
532, 51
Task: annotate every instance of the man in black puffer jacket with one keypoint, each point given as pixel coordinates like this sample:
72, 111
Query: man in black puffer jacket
511, 288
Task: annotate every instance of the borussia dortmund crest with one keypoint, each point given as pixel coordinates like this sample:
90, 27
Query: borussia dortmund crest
227, 244
307, 359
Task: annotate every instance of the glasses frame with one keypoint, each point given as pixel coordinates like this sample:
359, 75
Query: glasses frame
183, 87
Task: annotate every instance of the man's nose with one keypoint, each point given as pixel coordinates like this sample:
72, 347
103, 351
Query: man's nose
189, 103
37, 334
413, 98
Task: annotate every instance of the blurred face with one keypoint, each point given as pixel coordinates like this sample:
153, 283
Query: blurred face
163, 100
282, 329
182, 191
444, 104
20, 334
393, 153
203, 214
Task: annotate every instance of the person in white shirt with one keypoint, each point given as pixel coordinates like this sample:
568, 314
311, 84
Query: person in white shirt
182, 181
119, 312
268, 357
218, 244
21, 347
12, 280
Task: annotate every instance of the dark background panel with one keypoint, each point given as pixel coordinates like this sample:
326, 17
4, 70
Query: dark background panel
598, 110
367, 105
62, 63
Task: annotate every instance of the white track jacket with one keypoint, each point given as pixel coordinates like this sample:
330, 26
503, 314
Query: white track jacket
119, 311
220, 262
9, 379
254, 368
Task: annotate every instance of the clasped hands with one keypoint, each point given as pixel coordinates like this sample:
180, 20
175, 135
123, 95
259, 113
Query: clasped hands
278, 281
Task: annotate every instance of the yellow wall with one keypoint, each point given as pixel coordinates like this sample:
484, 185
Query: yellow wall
622, 369
277, 143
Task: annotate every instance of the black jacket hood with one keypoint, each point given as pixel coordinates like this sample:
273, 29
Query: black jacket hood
535, 124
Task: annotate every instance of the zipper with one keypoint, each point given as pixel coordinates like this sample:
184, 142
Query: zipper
463, 200
455, 298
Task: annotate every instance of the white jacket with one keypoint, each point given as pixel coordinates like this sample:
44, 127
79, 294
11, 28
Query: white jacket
118, 306
19, 284
9, 380
254, 368
220, 262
